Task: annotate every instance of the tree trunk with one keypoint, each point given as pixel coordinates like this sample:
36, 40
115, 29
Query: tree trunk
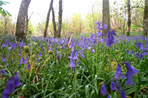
60, 19
145, 19
129, 18
20, 25
106, 16
54, 23
47, 19
27, 20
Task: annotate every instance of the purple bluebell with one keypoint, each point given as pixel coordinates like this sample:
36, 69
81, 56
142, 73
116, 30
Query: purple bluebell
9, 48
103, 90
10, 86
14, 45
110, 38
99, 34
3, 58
104, 26
130, 52
76, 56
92, 50
28, 66
71, 55
139, 45
40, 54
129, 79
21, 44
140, 56
113, 86
118, 73
2, 72
7, 64
81, 53
130, 69
5, 94
17, 82
25, 61
99, 26
72, 63
21, 61
38, 60
122, 94
108, 96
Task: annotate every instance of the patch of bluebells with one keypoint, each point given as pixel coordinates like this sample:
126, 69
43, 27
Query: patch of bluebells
117, 76
12, 83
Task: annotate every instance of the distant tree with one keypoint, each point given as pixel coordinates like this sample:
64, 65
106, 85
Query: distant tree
47, 19
54, 23
129, 17
106, 16
20, 25
60, 19
145, 19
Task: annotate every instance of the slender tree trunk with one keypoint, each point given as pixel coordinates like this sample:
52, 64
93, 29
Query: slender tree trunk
27, 20
129, 18
60, 19
20, 25
47, 19
145, 19
106, 16
54, 23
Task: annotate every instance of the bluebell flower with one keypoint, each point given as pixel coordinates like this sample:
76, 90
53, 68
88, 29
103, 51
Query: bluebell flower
25, 61
129, 79
81, 53
76, 56
28, 66
99, 25
12, 83
5, 94
122, 94
139, 45
17, 82
38, 60
103, 90
10, 86
130, 69
130, 52
99, 34
72, 63
113, 87
110, 38
3, 58
108, 96
140, 56
104, 26
14, 45
92, 50
21, 44
118, 73
40, 54
21, 61
2, 72
7, 64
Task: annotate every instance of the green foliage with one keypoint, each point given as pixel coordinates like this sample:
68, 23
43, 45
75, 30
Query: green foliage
50, 76
3, 11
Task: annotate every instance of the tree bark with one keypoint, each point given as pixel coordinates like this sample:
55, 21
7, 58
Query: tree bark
54, 23
20, 25
129, 18
145, 19
60, 19
47, 19
106, 16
